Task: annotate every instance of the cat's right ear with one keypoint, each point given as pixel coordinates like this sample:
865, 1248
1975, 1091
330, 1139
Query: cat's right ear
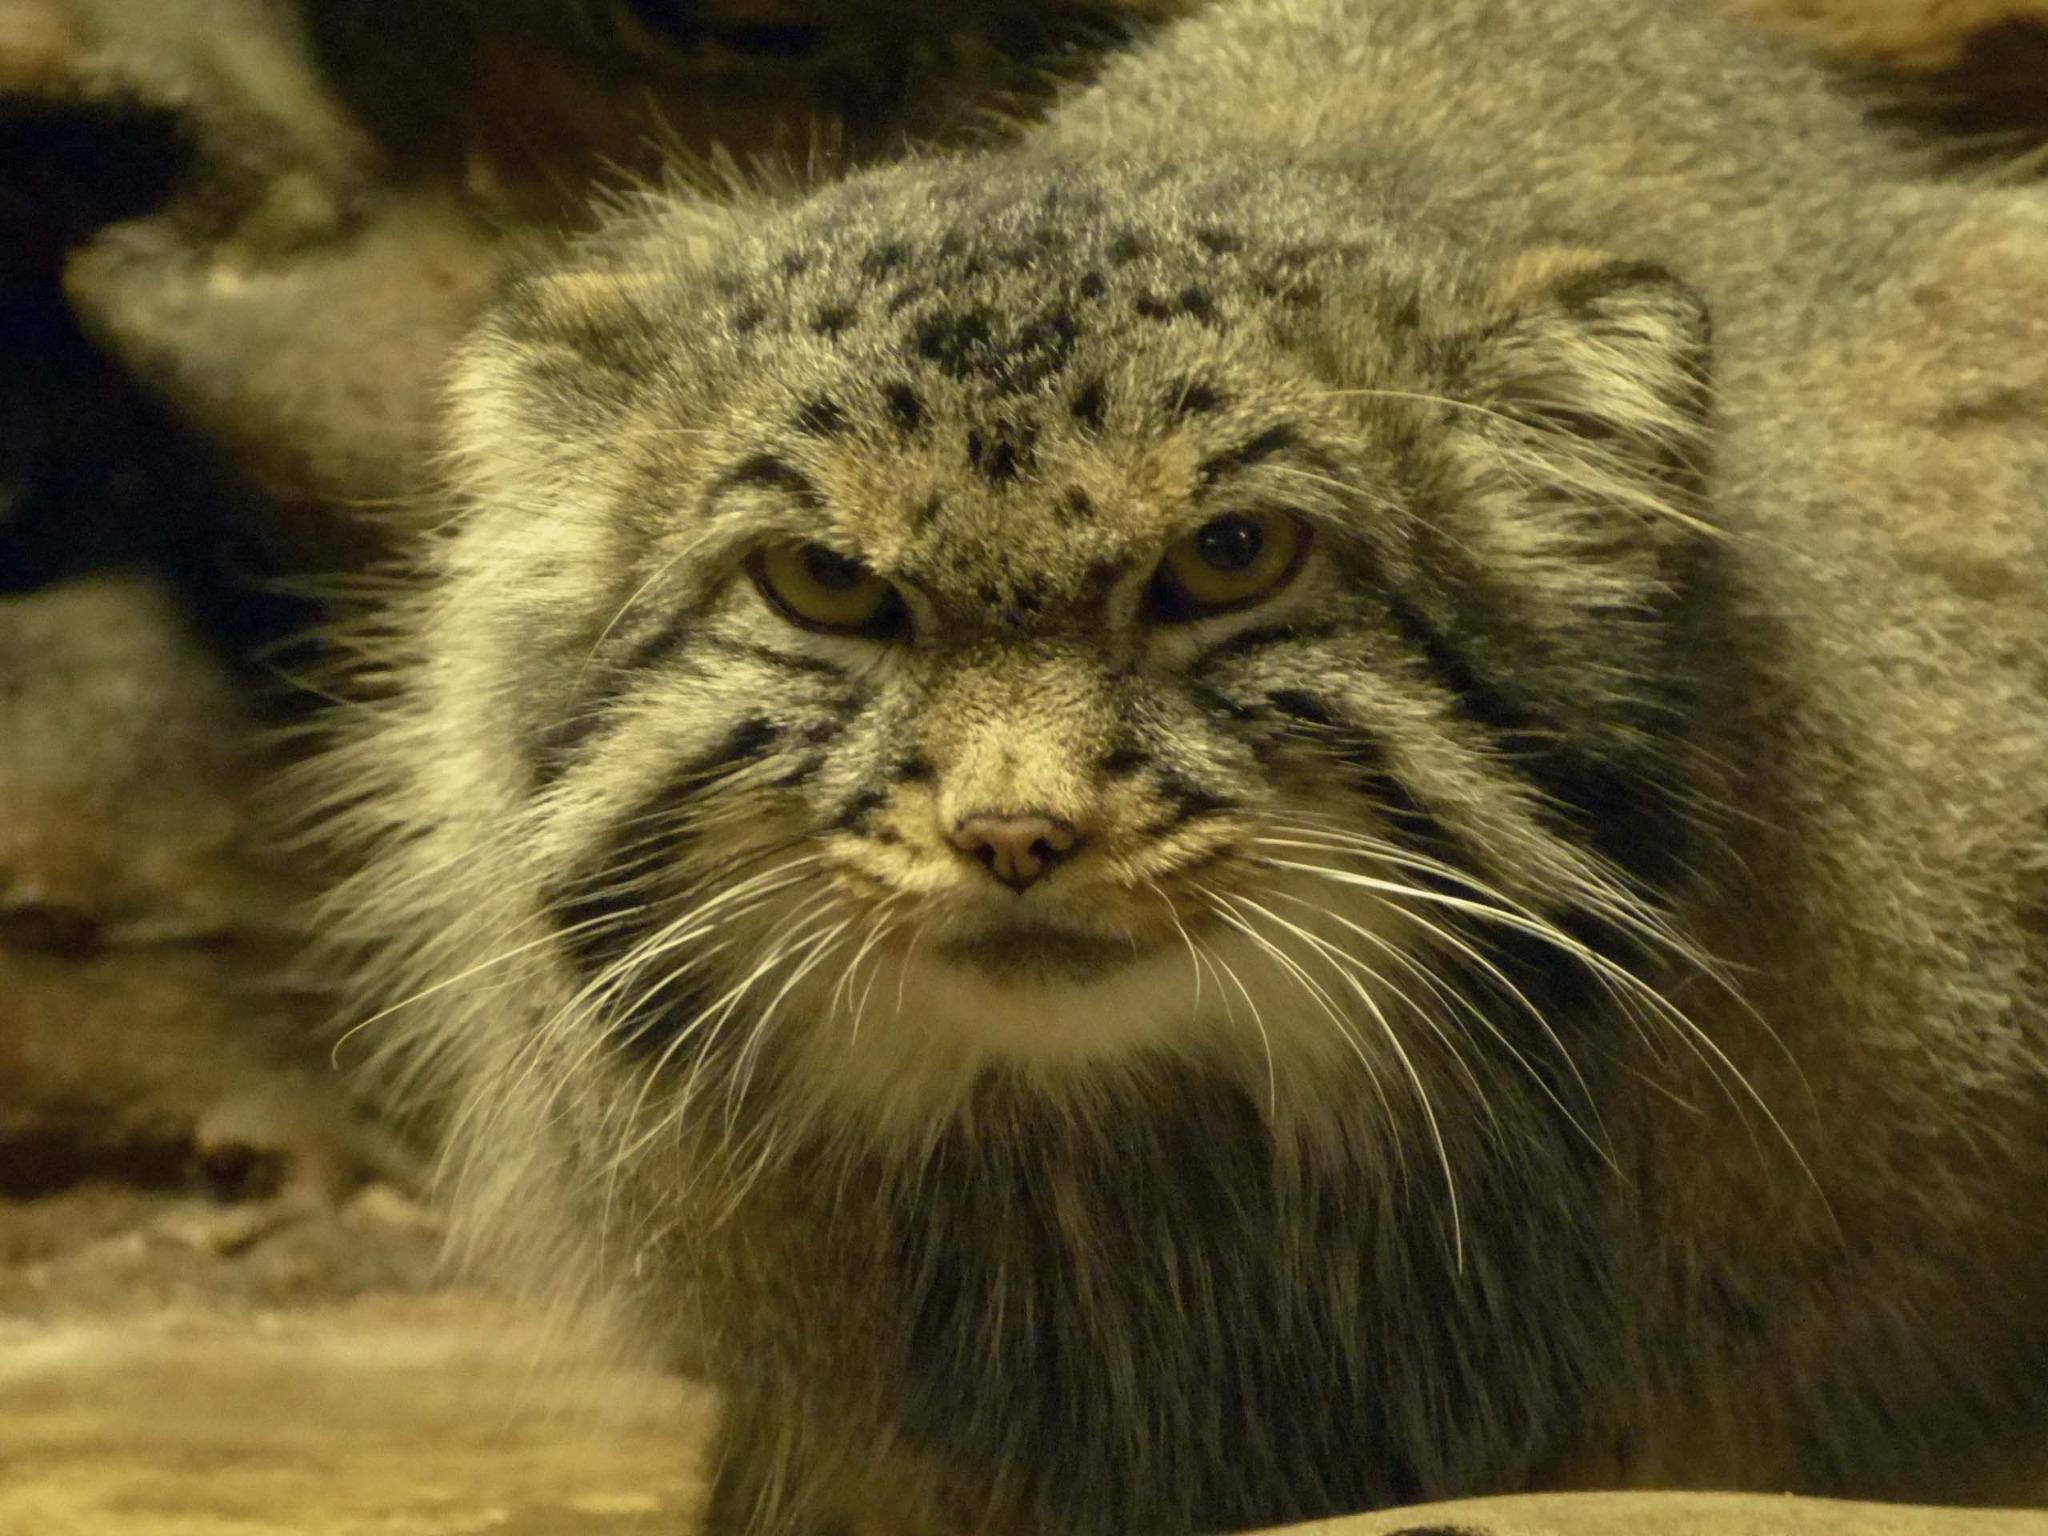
603, 306
1605, 365
562, 356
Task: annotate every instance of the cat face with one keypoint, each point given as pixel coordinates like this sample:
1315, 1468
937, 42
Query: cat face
1037, 624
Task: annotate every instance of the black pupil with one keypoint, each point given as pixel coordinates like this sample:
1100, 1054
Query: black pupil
835, 573
1229, 543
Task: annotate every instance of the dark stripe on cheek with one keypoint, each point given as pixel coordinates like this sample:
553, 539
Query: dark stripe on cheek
1261, 637
556, 746
782, 661
1590, 800
602, 912
1366, 761
1190, 800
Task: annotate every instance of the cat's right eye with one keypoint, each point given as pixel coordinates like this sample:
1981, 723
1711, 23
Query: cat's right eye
818, 588
1229, 562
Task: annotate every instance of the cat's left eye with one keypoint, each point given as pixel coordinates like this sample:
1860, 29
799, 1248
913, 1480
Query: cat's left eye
1229, 562
819, 588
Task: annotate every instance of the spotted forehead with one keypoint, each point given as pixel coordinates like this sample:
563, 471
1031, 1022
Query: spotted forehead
1013, 391
995, 290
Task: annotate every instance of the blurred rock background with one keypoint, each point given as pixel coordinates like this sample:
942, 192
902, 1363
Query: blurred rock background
236, 237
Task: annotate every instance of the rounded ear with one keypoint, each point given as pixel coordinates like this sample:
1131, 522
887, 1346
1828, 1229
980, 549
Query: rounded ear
1571, 534
1605, 364
539, 391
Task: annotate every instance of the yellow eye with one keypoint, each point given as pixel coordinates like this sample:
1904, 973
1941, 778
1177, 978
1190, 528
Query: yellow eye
1229, 562
819, 588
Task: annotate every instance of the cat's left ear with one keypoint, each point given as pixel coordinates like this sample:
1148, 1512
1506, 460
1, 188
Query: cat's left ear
1604, 366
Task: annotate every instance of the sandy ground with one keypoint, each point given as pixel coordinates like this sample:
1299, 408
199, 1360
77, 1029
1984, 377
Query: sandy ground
407, 1415
171, 1366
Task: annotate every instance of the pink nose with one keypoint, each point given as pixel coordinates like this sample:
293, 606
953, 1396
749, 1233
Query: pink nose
1015, 849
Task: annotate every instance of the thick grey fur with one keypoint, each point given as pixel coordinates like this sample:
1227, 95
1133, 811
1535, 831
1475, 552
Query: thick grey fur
1676, 450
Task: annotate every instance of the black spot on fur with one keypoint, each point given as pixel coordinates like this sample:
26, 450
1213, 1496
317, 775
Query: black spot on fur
821, 417
884, 259
1002, 463
831, 319
1269, 442
794, 263
852, 816
906, 409
1004, 454
1193, 397
961, 342
1102, 575
1088, 405
927, 512
1127, 248
914, 769
1292, 292
1092, 285
1075, 506
1190, 302
1040, 349
1217, 241
1123, 760
748, 319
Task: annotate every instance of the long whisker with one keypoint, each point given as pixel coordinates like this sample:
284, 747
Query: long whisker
1315, 990
1479, 1016
1414, 1077
1628, 990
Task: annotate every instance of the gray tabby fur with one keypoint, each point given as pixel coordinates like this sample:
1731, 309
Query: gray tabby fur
1674, 1110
